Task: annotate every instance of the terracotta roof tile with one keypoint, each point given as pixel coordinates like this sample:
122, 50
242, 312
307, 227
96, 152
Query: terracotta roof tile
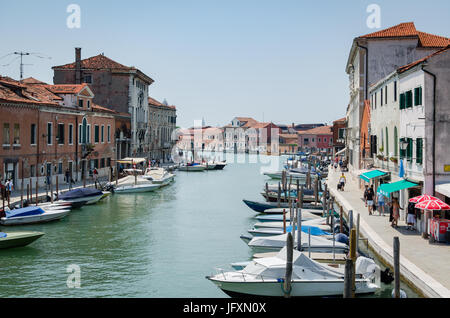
408, 29
323, 130
66, 88
96, 62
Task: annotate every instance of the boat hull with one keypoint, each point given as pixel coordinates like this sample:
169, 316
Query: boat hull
273, 288
192, 168
48, 216
137, 189
19, 239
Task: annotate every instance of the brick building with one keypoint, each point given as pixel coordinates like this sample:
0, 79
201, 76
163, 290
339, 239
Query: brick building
46, 129
121, 88
319, 139
338, 130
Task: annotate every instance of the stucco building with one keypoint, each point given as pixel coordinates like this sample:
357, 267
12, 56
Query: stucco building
121, 88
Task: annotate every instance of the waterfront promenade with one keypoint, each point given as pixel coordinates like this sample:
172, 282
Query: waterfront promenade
423, 264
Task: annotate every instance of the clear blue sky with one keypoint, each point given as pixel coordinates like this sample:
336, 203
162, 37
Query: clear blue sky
284, 60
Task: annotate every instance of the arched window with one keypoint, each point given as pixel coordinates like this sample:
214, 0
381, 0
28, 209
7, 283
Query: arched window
395, 142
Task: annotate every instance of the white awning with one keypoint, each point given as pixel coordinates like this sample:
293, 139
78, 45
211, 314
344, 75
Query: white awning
132, 160
341, 151
443, 189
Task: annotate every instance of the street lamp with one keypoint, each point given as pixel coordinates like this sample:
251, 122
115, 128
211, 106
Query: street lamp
403, 144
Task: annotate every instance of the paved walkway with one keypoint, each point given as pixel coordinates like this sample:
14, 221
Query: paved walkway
425, 265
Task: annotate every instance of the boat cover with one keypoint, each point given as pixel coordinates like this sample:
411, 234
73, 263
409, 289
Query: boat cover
302, 267
3, 235
32, 210
80, 193
279, 241
130, 181
314, 230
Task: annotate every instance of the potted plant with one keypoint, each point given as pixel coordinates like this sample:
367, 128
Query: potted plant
394, 160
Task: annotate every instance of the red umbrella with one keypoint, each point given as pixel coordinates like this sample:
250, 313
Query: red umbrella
432, 205
423, 197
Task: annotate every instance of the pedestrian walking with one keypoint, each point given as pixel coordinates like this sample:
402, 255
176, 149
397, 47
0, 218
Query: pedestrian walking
95, 176
370, 196
342, 181
395, 212
380, 203
411, 217
365, 194
67, 176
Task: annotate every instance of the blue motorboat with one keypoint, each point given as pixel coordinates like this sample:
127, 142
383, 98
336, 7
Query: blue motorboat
81, 196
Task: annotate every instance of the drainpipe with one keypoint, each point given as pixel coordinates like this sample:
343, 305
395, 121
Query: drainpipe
366, 68
434, 128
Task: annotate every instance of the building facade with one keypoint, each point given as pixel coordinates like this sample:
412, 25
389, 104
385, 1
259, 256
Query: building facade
162, 120
48, 129
121, 88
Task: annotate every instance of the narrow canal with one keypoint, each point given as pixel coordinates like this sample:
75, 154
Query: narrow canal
159, 244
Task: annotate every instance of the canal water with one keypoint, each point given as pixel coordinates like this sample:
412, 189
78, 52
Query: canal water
159, 244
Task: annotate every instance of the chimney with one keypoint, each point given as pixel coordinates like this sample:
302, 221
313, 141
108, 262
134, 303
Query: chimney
78, 65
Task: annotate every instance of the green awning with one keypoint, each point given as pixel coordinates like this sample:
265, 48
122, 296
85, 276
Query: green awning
372, 174
387, 188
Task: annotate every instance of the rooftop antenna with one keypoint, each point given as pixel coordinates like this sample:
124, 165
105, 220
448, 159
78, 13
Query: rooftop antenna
21, 55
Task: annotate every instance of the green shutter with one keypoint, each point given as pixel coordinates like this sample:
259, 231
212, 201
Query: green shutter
402, 101
409, 150
419, 150
408, 99
420, 96
416, 96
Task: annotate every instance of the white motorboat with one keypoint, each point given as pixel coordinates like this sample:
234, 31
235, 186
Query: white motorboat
32, 215
192, 167
159, 176
265, 277
277, 242
135, 184
82, 195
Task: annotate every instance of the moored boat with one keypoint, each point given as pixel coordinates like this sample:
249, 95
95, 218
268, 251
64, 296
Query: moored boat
192, 167
135, 184
159, 176
18, 239
32, 215
85, 195
265, 277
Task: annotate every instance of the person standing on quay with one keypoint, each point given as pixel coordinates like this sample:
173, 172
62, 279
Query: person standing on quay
342, 181
369, 196
380, 203
365, 194
395, 212
95, 176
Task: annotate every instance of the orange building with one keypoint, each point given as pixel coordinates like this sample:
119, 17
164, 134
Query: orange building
48, 129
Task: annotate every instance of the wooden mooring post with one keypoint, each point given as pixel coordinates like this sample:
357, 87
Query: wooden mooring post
289, 258
396, 246
279, 195
349, 275
284, 221
57, 186
37, 189
341, 220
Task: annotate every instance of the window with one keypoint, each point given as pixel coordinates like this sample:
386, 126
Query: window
60, 170
395, 91
96, 133
325, 140
80, 103
32, 171
88, 104
33, 134
418, 96
320, 139
409, 149
341, 133
402, 101
419, 151
49, 133
386, 96
103, 134
70, 134
109, 133
102, 163
6, 134
88, 79
60, 136
79, 134
16, 140
408, 96
88, 134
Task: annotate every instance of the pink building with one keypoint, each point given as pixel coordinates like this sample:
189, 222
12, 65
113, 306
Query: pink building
319, 139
